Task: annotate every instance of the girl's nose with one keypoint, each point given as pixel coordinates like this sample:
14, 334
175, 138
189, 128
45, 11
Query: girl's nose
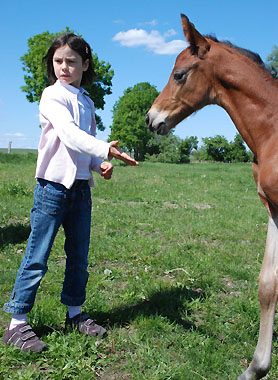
64, 66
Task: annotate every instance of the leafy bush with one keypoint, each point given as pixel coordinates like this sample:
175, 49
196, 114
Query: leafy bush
186, 147
219, 149
238, 152
163, 149
170, 149
214, 149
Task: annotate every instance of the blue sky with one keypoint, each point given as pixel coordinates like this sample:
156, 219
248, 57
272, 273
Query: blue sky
140, 39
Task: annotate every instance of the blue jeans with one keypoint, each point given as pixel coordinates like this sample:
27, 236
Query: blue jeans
55, 205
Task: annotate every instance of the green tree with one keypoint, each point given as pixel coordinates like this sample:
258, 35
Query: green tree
219, 149
272, 60
214, 149
163, 149
237, 152
170, 148
186, 147
36, 77
129, 114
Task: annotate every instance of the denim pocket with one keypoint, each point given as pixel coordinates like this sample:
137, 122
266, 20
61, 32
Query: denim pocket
53, 198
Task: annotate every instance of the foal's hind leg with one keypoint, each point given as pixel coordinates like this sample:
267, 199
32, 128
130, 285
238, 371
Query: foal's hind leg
268, 288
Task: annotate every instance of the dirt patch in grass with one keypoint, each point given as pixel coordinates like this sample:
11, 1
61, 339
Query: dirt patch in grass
200, 206
116, 372
231, 287
170, 204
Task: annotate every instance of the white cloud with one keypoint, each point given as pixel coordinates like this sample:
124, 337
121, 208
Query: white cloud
151, 23
153, 41
170, 33
16, 134
119, 21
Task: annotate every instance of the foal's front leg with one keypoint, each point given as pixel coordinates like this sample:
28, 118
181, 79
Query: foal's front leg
268, 287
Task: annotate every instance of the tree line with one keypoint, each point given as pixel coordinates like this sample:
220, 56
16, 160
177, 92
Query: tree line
128, 120
217, 148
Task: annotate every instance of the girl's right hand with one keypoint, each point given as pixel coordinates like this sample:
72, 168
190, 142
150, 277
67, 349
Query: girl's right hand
116, 152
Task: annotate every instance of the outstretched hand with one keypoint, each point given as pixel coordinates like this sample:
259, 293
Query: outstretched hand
116, 152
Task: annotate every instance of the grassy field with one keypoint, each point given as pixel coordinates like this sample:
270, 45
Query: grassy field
183, 246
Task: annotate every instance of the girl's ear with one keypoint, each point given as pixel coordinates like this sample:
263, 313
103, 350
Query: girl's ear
86, 64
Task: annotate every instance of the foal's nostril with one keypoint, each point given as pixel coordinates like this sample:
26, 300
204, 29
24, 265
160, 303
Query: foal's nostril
147, 120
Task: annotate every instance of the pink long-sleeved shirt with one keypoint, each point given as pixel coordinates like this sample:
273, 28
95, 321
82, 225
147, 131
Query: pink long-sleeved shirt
62, 139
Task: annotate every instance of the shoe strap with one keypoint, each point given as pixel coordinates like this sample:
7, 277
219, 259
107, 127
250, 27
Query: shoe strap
28, 336
25, 328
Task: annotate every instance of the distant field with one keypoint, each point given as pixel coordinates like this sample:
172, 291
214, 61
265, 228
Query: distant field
18, 151
183, 246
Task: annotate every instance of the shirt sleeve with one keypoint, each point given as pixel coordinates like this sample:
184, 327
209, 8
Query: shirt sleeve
95, 164
55, 110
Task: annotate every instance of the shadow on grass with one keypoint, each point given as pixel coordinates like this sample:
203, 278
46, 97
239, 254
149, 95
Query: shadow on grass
166, 303
14, 234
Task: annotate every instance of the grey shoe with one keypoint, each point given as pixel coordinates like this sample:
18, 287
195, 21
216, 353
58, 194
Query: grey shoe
85, 325
24, 337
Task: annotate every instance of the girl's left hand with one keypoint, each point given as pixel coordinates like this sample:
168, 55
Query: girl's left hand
116, 152
106, 169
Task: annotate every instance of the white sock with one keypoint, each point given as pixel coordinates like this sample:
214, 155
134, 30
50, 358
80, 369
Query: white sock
74, 310
17, 319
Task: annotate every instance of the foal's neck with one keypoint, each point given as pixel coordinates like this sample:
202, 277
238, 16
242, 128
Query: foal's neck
250, 96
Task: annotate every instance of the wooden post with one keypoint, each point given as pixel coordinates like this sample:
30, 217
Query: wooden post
10, 147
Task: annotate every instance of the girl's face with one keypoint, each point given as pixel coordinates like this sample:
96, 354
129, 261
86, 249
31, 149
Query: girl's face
68, 66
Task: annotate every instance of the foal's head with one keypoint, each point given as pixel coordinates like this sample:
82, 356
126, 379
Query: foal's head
190, 86
205, 73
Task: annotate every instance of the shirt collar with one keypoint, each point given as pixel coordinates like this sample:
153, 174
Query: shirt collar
72, 89
83, 91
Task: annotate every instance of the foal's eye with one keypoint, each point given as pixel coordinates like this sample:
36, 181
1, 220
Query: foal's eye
181, 76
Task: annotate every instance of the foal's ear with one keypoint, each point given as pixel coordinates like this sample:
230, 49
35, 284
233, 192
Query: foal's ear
198, 44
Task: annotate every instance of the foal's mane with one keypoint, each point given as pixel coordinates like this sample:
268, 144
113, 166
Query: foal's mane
247, 53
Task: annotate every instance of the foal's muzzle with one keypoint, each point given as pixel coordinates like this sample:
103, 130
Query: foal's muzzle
160, 128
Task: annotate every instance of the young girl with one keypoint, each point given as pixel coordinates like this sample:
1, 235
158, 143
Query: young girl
67, 153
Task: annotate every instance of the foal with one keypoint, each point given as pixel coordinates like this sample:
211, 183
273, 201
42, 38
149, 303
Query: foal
210, 72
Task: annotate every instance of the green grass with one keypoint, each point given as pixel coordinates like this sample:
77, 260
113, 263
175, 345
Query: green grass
184, 245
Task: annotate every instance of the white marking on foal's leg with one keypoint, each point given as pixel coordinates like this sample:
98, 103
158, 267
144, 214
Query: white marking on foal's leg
268, 282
